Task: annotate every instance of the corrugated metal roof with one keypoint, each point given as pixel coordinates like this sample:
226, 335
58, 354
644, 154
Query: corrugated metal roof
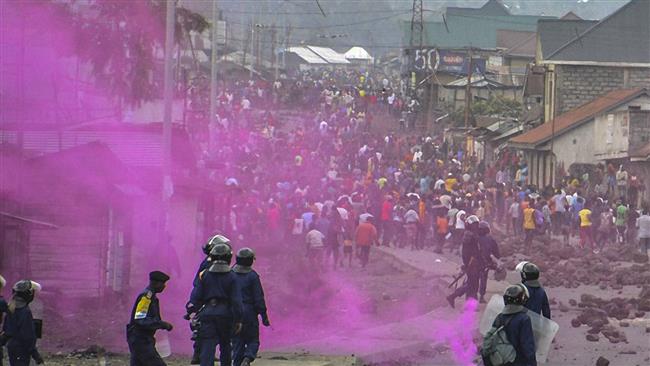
306, 54
517, 43
461, 31
577, 116
623, 36
135, 145
554, 33
357, 53
329, 55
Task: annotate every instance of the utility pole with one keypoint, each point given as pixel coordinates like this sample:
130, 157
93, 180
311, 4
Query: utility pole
258, 51
170, 22
416, 40
252, 47
274, 57
213, 61
468, 100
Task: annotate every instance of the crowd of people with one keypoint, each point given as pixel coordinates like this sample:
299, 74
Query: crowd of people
316, 178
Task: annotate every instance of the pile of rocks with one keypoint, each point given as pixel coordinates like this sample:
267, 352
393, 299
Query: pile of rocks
566, 266
597, 312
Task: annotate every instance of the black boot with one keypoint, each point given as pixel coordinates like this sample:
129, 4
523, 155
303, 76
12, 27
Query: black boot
196, 360
451, 299
246, 362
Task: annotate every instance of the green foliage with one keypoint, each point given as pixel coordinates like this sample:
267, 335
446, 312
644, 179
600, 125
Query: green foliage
494, 106
497, 106
124, 44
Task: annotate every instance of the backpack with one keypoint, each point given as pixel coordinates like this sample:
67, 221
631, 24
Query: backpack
496, 347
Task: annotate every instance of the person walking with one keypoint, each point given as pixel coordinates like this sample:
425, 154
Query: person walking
586, 237
145, 321
643, 226
365, 236
216, 299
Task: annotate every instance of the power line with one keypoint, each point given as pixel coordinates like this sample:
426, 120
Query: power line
337, 25
327, 45
318, 13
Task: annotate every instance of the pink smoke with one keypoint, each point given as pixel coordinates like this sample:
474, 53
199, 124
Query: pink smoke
458, 333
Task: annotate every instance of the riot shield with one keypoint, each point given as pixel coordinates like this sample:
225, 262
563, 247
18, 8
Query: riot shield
544, 330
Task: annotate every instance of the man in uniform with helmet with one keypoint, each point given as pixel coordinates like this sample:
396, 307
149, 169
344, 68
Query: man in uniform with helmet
517, 326
247, 343
145, 321
471, 261
205, 264
218, 296
489, 249
4, 307
19, 332
538, 300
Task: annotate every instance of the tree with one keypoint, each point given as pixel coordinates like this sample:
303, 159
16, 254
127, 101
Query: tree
124, 44
495, 106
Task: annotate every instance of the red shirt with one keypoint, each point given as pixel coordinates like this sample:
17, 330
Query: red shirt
366, 234
386, 211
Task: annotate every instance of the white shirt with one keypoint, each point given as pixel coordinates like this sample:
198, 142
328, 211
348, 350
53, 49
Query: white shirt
314, 239
643, 223
245, 104
411, 217
460, 223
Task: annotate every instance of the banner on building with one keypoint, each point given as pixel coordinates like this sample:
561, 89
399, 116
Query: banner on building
427, 60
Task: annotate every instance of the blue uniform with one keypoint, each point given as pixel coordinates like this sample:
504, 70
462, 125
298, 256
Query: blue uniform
205, 264
220, 296
19, 328
247, 343
519, 331
145, 320
488, 247
538, 301
3, 309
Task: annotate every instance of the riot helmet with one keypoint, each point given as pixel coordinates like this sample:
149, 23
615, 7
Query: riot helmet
214, 240
529, 272
24, 290
472, 223
515, 295
221, 253
483, 227
245, 257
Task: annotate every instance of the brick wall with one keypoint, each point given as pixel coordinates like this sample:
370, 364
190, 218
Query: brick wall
638, 77
577, 84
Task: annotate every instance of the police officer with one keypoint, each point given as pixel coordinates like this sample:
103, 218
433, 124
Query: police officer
218, 296
471, 261
518, 327
207, 247
247, 343
538, 301
205, 264
489, 249
145, 321
4, 307
18, 330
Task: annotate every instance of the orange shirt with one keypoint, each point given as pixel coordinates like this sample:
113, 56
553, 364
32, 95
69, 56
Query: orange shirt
366, 234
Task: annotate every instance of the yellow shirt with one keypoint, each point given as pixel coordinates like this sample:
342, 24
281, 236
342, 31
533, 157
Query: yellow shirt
450, 183
529, 218
585, 219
